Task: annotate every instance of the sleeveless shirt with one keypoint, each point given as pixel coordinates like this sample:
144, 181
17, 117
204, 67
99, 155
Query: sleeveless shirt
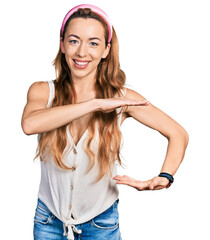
72, 195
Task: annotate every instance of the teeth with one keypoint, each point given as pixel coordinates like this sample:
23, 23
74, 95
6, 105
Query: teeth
81, 63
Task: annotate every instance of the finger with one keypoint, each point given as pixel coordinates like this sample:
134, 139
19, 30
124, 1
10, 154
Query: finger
145, 185
139, 185
158, 187
132, 102
128, 178
125, 183
163, 181
122, 177
158, 183
117, 177
136, 184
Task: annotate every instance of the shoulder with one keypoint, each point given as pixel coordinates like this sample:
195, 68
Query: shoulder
38, 89
132, 94
40, 85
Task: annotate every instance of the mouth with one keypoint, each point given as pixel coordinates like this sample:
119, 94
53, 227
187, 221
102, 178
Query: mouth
80, 64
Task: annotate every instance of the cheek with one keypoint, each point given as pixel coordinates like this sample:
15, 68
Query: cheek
97, 54
70, 51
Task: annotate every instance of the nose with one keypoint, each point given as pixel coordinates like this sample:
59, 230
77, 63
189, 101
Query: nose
82, 50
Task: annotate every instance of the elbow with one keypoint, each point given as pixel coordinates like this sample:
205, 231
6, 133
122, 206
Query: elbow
27, 126
187, 138
182, 135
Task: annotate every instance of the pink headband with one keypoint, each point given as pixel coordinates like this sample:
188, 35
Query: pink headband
94, 9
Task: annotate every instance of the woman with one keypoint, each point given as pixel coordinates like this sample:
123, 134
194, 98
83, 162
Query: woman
77, 118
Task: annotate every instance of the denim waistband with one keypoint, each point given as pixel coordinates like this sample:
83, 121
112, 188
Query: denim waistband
42, 204
71, 227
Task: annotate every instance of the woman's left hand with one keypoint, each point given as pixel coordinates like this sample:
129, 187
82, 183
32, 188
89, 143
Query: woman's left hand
155, 183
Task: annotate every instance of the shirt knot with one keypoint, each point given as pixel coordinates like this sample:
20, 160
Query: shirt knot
71, 227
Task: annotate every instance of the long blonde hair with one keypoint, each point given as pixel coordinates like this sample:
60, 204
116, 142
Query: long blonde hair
110, 79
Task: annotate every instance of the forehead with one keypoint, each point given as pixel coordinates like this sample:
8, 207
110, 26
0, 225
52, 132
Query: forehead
86, 27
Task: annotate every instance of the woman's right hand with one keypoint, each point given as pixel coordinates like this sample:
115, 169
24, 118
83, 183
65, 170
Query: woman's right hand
110, 104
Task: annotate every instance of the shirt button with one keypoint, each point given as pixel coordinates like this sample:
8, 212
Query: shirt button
75, 151
71, 187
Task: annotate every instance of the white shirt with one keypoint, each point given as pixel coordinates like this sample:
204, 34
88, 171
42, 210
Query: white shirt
71, 195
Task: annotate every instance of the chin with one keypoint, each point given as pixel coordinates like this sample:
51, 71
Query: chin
82, 73
79, 74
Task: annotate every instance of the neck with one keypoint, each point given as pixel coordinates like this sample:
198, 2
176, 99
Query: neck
84, 84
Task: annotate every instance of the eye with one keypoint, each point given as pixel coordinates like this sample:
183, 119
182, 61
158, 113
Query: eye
93, 44
73, 41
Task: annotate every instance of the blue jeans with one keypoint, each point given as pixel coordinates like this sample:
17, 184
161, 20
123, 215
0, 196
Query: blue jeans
105, 226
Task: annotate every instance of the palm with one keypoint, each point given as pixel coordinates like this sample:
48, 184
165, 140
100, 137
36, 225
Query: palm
155, 183
110, 104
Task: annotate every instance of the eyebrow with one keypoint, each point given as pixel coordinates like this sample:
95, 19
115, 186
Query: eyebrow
92, 38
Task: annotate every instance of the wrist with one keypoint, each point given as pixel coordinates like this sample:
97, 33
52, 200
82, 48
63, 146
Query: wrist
96, 104
168, 176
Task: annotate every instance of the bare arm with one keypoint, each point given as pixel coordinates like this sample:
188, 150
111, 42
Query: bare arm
37, 118
177, 137
158, 120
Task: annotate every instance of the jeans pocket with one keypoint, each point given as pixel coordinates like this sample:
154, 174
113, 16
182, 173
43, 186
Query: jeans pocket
42, 213
108, 219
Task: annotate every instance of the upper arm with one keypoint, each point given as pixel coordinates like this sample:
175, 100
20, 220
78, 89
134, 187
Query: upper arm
37, 98
151, 116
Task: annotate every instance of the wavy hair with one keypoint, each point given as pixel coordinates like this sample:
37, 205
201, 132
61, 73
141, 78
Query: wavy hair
109, 80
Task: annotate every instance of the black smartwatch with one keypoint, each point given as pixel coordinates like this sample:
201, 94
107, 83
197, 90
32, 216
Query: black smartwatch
168, 176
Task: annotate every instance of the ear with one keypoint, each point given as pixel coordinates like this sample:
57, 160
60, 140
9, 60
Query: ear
62, 45
106, 51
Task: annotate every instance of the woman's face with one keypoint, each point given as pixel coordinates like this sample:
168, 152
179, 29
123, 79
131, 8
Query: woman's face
84, 46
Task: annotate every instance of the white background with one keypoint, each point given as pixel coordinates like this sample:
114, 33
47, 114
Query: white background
165, 53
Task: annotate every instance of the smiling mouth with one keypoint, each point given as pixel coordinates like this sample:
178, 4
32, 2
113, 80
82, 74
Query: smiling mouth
81, 63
